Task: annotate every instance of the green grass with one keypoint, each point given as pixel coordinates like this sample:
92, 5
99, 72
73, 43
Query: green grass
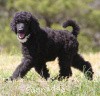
34, 85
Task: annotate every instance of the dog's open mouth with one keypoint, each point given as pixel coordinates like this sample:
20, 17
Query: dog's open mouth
21, 35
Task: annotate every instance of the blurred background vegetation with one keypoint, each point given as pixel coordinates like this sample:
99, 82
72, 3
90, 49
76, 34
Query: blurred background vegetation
53, 13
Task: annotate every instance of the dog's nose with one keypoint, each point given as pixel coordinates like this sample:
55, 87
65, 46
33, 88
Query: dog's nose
20, 31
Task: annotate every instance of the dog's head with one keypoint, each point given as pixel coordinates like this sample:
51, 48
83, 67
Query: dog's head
24, 24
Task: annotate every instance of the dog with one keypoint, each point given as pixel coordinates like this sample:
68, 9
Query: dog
40, 45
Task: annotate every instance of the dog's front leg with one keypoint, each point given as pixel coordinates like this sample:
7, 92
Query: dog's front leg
22, 69
42, 70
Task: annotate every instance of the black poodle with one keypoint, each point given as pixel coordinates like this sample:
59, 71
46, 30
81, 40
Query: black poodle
40, 45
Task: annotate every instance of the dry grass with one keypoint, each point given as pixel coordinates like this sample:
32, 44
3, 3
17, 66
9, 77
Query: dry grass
34, 85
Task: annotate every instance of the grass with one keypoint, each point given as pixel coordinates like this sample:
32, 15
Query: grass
34, 85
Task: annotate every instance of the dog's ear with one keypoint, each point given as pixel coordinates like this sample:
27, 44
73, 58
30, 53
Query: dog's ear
13, 25
34, 25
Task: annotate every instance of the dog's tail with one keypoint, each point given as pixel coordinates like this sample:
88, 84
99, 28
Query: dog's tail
72, 23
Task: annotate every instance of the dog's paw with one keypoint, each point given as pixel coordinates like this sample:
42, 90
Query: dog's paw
89, 75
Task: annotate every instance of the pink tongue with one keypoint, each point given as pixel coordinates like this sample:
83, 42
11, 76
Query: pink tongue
21, 35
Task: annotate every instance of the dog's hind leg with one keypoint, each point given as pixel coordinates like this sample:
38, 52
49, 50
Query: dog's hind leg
65, 67
84, 66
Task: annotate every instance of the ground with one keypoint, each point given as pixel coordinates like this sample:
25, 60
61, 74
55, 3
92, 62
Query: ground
34, 85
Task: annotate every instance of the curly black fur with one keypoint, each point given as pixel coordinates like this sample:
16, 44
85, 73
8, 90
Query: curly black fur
45, 44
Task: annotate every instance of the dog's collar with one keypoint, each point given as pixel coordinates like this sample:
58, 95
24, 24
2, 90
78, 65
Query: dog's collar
23, 40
